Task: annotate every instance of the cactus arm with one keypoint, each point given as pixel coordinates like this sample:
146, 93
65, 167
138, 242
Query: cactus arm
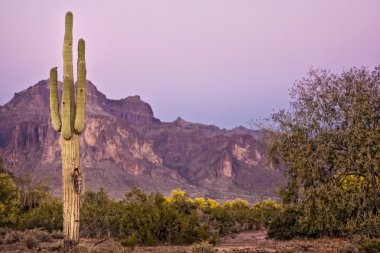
68, 64
81, 52
54, 111
68, 46
81, 98
81, 89
66, 111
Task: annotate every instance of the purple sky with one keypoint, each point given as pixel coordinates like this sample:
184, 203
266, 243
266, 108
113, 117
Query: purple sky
216, 62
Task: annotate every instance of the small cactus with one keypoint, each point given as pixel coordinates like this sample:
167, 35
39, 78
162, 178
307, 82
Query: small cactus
70, 124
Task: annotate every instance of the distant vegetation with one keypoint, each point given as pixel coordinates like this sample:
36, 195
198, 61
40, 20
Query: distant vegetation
138, 219
329, 141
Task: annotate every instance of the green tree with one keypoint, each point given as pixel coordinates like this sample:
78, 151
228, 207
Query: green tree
329, 141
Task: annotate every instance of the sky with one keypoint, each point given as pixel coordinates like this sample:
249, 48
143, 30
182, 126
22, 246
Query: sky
208, 61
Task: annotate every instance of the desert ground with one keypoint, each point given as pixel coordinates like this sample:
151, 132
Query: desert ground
248, 242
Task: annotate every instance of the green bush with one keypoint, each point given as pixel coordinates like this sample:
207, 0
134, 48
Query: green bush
148, 219
99, 215
30, 241
141, 218
264, 212
131, 241
25, 204
203, 247
283, 226
138, 219
371, 246
8, 201
31, 194
57, 234
369, 226
48, 215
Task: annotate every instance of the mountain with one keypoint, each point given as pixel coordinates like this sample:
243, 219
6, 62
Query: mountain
124, 145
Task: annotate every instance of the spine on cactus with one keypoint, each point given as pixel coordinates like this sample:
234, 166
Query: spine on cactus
71, 125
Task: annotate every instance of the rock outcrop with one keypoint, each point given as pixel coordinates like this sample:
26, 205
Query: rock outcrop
124, 145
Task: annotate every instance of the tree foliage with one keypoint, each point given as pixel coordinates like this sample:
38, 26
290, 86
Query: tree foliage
329, 141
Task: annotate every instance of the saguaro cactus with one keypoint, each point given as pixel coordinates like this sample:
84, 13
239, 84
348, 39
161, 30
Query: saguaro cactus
71, 125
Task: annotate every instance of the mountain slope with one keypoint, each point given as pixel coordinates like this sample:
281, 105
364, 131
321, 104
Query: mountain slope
124, 145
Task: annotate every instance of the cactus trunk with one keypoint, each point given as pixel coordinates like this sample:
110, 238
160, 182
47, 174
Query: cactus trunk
71, 125
71, 189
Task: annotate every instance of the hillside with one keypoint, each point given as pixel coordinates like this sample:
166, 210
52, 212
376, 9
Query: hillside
124, 145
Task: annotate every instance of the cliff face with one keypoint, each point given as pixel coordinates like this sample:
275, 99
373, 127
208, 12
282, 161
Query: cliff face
124, 145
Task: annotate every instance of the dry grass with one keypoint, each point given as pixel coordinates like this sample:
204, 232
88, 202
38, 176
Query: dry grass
203, 247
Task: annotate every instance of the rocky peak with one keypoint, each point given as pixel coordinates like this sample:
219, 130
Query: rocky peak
182, 123
34, 102
124, 145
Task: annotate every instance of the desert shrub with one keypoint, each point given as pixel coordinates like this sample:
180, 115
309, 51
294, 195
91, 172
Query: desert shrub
283, 225
30, 241
130, 241
238, 215
239, 212
8, 201
219, 218
369, 226
12, 237
31, 193
371, 246
41, 235
203, 247
141, 218
99, 215
25, 204
57, 234
264, 212
182, 219
48, 216
30, 238
348, 249
326, 212
80, 249
146, 219
181, 202
3, 232
190, 229
151, 218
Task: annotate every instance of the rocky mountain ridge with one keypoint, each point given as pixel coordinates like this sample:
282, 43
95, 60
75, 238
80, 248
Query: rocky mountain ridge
124, 145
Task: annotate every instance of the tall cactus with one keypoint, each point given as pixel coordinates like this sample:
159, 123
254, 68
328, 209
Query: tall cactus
71, 125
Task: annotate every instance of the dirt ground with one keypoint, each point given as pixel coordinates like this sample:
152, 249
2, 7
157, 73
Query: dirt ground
247, 242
